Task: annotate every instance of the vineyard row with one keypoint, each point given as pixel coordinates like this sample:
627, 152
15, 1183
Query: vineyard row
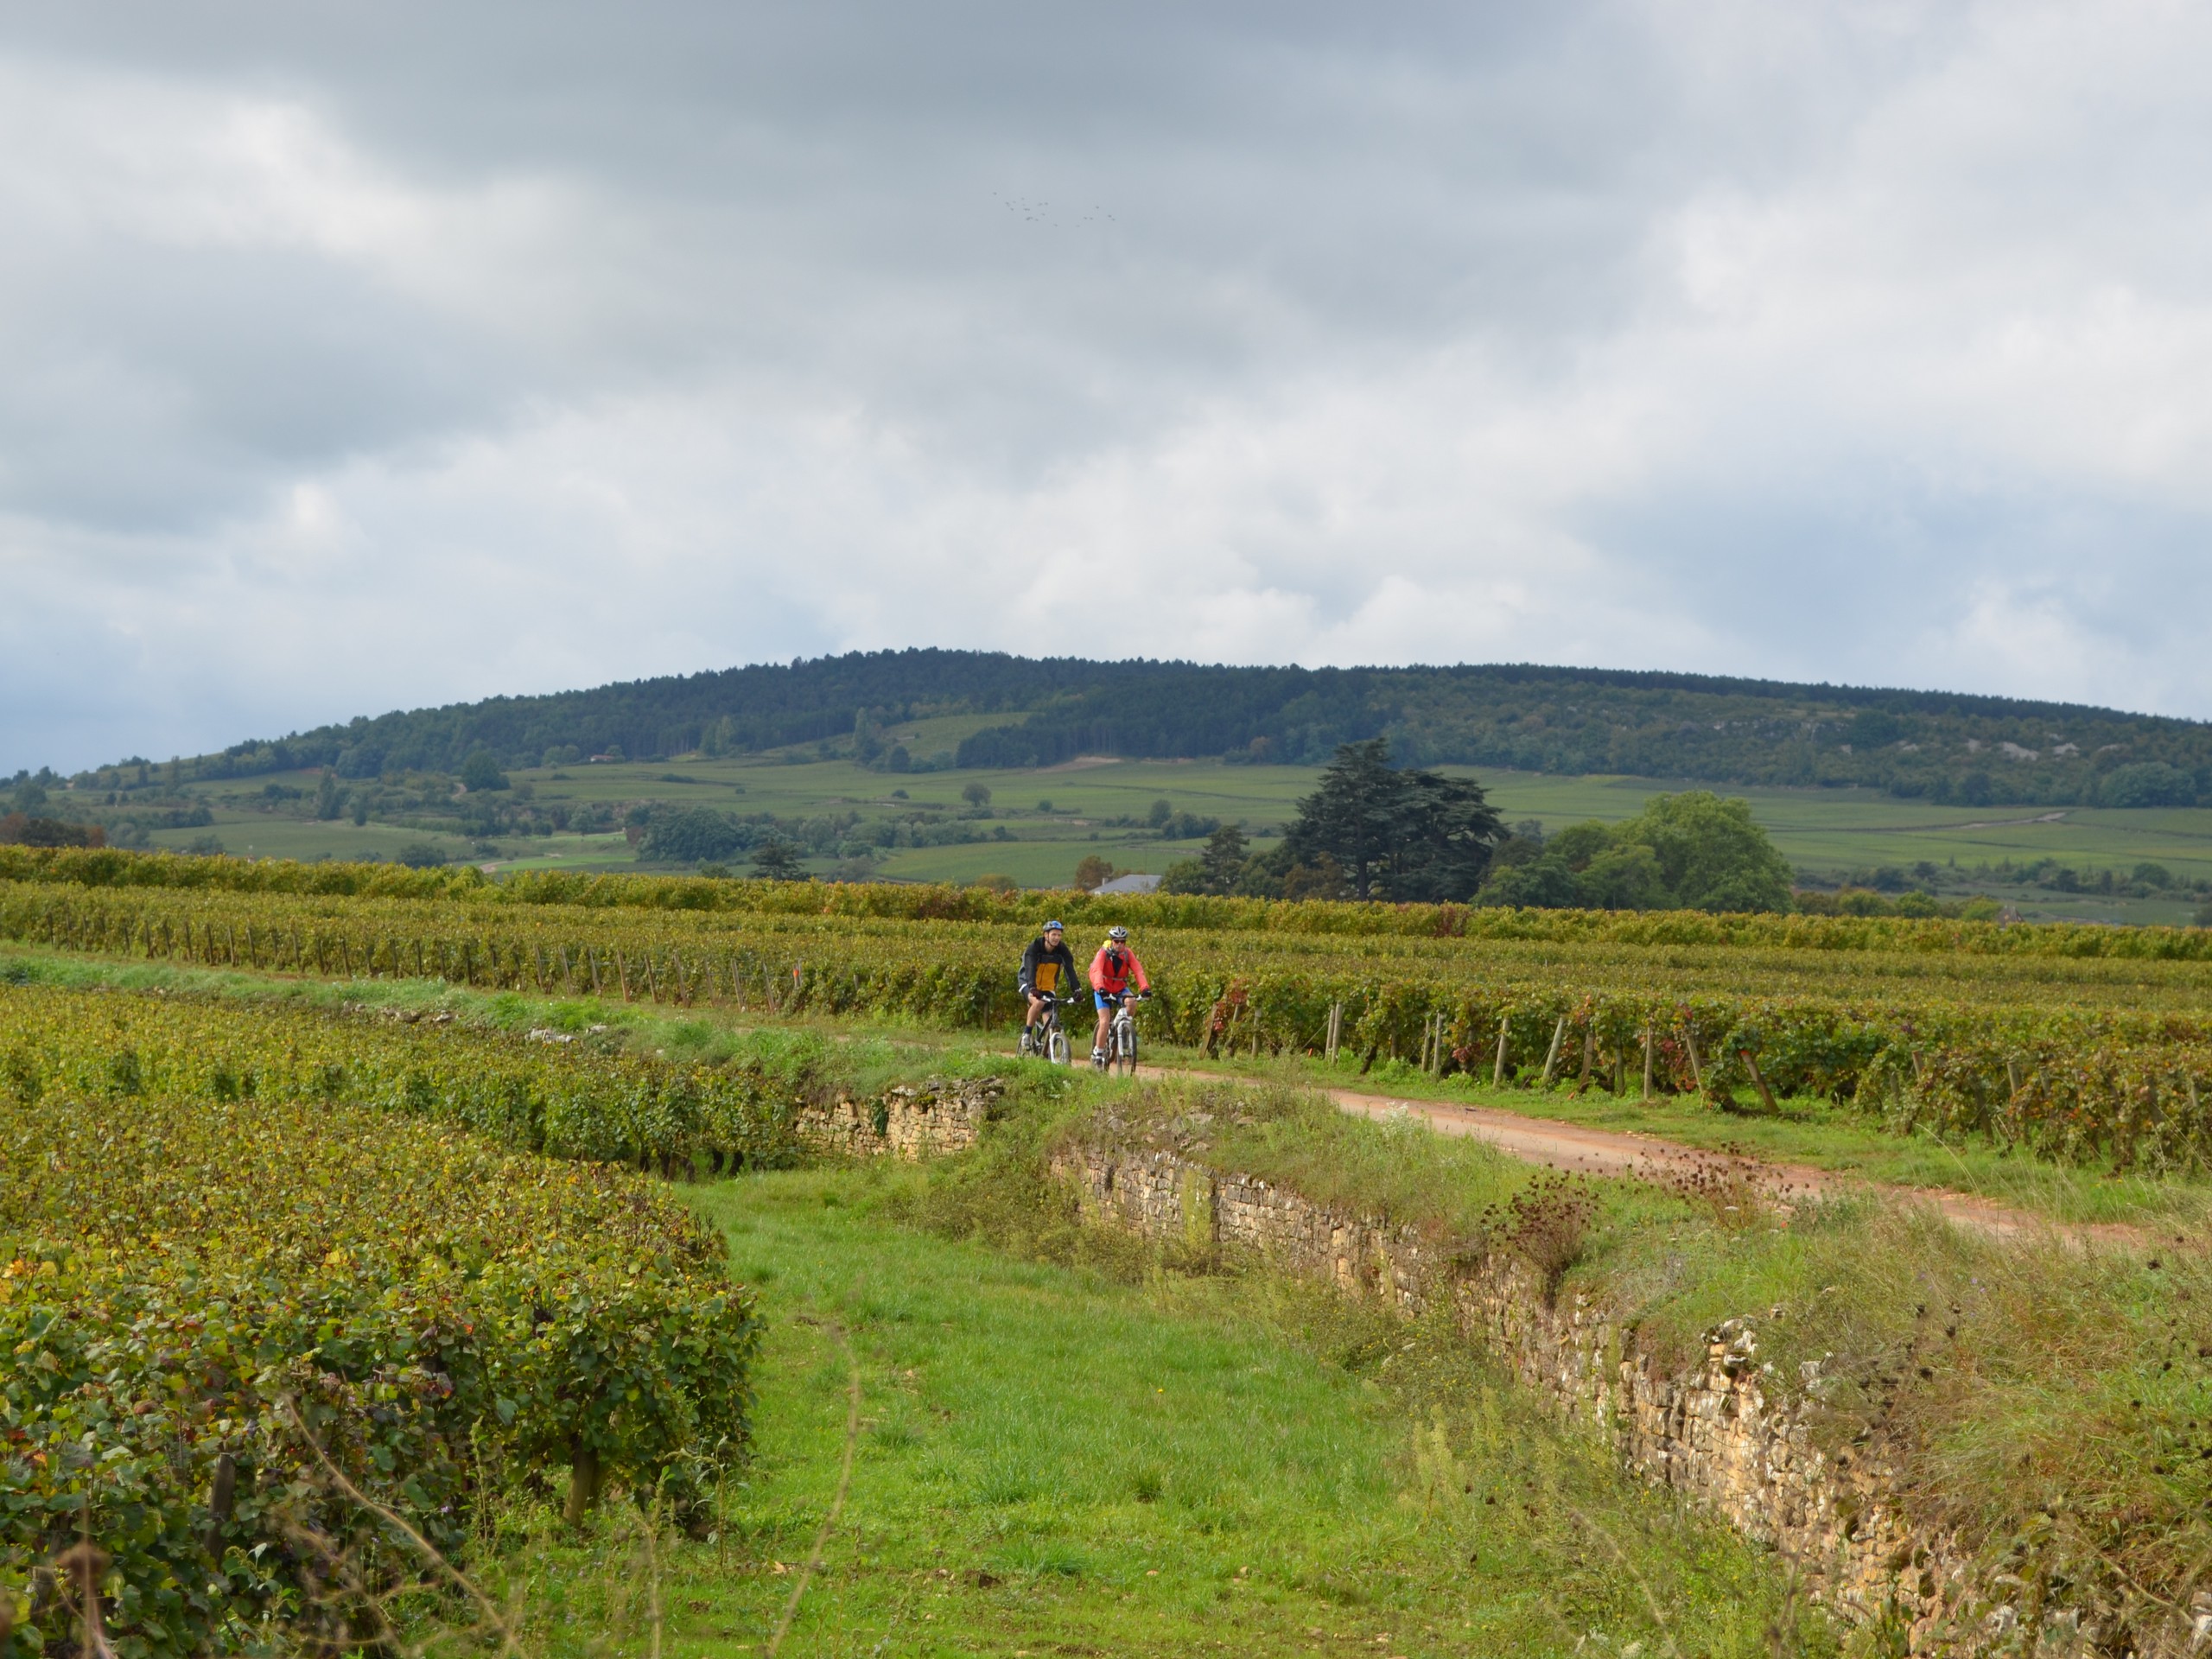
234, 1300
558, 1097
2083, 1085
113, 869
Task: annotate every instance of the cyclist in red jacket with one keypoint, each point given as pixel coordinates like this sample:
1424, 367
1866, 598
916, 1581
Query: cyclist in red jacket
1111, 970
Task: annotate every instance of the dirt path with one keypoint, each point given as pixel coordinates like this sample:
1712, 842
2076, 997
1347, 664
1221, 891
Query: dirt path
1581, 1150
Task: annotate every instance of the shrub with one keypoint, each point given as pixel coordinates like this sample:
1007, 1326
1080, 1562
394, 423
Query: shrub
17, 830
481, 771
694, 835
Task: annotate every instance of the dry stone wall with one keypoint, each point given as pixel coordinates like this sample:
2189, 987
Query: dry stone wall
1715, 1434
912, 1121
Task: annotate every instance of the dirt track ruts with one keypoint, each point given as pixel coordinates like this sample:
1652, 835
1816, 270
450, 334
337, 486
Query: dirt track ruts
1579, 1149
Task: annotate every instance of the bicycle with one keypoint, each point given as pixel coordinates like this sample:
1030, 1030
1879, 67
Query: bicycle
1122, 1036
1048, 1039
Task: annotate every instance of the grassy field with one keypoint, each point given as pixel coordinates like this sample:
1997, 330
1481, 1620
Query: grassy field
1053, 1462
1055, 817
247, 833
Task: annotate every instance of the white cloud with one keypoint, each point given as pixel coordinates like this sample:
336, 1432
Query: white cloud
1854, 341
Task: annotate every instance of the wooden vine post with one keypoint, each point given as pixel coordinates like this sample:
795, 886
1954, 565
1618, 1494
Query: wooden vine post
1758, 1082
1551, 1055
1497, 1070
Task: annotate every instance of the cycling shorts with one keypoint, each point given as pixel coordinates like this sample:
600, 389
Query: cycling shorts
1108, 999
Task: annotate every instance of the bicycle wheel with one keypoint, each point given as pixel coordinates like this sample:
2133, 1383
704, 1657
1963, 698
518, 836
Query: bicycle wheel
1056, 1047
1129, 1049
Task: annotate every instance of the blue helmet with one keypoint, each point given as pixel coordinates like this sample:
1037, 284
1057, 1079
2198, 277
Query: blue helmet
1054, 927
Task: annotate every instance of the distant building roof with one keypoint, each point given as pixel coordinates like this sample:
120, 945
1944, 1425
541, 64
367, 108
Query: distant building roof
1130, 884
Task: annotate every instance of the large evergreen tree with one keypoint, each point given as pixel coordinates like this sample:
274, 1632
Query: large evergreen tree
773, 860
1402, 833
1226, 866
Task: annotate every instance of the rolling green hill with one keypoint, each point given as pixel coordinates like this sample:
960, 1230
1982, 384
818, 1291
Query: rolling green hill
860, 763
975, 710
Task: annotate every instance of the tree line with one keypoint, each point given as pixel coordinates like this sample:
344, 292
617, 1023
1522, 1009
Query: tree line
1375, 832
1940, 746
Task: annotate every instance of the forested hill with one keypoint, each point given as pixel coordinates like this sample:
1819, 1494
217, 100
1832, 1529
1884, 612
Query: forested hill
1709, 728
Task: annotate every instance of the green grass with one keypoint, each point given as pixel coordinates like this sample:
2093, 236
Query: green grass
1810, 1131
1054, 1462
247, 832
2052, 1402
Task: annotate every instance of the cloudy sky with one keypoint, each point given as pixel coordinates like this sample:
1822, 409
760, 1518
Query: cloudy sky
355, 358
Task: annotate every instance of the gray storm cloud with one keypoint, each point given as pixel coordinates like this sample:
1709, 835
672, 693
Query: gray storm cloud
355, 361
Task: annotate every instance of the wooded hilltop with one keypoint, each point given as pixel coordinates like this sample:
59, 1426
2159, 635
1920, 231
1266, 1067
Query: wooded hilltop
1939, 745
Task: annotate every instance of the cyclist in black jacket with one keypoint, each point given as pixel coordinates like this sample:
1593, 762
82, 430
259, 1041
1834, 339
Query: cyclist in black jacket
1047, 969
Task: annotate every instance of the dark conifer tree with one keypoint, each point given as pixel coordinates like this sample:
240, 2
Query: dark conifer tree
1404, 834
774, 860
